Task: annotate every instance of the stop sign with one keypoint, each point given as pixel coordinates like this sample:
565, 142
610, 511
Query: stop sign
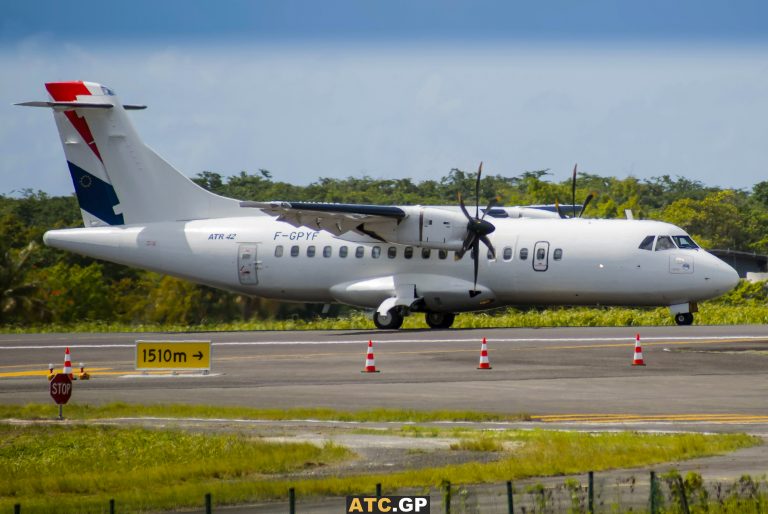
61, 388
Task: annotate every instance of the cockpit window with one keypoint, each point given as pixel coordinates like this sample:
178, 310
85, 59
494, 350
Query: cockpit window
685, 242
647, 243
665, 243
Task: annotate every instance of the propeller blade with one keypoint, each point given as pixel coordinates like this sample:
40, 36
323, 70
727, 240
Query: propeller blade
586, 202
463, 207
476, 258
557, 206
573, 192
466, 245
487, 242
477, 190
491, 204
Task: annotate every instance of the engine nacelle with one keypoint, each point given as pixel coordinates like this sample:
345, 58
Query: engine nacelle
427, 227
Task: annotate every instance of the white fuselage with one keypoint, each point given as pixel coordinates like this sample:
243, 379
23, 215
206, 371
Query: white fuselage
569, 262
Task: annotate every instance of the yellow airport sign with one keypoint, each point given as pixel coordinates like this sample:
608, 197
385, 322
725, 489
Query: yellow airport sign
173, 355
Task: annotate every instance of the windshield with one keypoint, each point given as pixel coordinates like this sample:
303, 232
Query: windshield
684, 242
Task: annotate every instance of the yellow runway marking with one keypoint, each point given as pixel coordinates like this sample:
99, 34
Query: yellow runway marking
91, 371
661, 418
43, 373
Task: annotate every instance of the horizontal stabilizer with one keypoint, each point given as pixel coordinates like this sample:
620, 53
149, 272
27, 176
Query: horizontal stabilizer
68, 106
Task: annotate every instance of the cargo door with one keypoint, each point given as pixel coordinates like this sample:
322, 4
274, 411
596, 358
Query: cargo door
248, 264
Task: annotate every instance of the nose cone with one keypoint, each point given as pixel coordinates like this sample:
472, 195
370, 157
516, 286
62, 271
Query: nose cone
720, 276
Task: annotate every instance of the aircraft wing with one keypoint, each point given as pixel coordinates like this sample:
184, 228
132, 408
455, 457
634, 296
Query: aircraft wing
336, 218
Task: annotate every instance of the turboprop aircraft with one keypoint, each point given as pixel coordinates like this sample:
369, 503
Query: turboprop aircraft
139, 211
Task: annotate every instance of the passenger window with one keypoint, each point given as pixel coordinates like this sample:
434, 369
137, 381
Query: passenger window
541, 254
343, 251
294, 251
523, 254
359, 252
664, 243
279, 251
507, 253
557, 254
392, 252
408, 253
327, 251
376, 252
442, 254
490, 255
425, 253
311, 251
647, 243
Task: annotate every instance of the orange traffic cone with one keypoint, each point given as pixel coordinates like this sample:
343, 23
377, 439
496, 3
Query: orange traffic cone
638, 360
67, 364
370, 364
484, 362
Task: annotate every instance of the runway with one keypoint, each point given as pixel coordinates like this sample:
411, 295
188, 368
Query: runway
700, 377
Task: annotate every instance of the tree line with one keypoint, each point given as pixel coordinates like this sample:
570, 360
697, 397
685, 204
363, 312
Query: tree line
45, 285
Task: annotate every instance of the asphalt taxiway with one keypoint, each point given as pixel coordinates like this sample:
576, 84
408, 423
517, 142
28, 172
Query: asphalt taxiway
700, 377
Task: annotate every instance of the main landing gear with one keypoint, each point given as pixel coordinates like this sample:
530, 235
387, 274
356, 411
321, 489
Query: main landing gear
394, 319
440, 319
684, 318
391, 321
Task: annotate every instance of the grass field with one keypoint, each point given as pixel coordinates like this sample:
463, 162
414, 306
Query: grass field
710, 313
124, 410
144, 469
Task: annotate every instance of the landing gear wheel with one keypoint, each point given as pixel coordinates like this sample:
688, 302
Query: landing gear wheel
393, 320
684, 318
440, 319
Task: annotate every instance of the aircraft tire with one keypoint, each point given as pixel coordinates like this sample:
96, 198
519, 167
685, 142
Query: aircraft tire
392, 321
439, 319
684, 318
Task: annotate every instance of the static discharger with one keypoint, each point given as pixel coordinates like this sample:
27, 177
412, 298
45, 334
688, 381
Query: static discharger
484, 362
370, 364
638, 360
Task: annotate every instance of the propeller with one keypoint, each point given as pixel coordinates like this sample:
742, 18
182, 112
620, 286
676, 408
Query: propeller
589, 198
477, 231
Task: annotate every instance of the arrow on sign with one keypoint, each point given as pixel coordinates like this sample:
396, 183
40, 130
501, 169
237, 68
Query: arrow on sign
198, 355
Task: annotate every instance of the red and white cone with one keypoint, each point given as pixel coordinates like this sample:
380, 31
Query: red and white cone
484, 362
638, 360
370, 364
67, 363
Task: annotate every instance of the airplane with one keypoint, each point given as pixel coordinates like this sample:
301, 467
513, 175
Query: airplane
140, 211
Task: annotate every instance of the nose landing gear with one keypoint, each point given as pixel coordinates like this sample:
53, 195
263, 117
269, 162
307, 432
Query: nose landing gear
683, 312
684, 318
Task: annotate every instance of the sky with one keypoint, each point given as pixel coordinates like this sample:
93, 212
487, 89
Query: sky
399, 89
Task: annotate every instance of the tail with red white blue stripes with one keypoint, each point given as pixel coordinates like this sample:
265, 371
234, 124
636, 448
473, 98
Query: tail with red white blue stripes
118, 179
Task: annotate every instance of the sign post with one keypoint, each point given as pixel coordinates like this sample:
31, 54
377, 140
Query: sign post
60, 388
173, 356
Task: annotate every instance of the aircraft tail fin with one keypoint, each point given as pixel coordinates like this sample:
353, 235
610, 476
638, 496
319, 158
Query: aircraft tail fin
118, 179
